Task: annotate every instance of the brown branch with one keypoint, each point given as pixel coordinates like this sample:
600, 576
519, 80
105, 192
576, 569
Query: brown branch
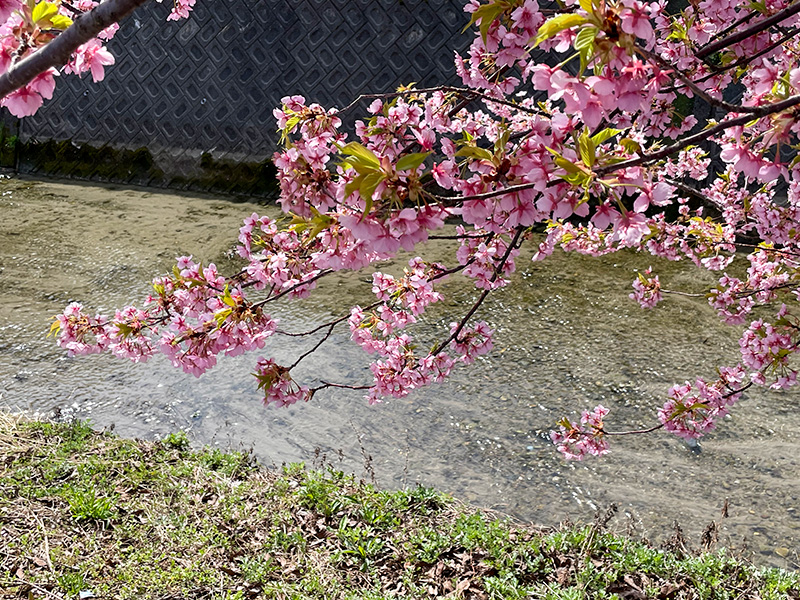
660, 425
750, 31
692, 192
746, 59
486, 195
324, 325
499, 267
635, 431
327, 384
760, 111
319, 275
687, 294
444, 88
466, 236
697, 90
717, 71
321, 341
57, 53
734, 25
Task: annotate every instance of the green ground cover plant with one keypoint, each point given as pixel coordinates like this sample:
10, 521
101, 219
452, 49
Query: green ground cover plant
88, 514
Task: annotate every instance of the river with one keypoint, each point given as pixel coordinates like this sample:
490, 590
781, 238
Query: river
568, 337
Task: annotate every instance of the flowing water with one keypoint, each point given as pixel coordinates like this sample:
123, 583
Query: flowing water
567, 338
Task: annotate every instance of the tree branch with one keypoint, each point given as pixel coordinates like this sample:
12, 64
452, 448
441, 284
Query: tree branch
750, 31
454, 336
696, 89
58, 52
474, 94
757, 113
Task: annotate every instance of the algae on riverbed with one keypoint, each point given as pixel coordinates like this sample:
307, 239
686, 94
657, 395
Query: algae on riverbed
91, 514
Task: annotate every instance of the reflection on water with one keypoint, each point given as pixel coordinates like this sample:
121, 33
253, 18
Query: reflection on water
567, 338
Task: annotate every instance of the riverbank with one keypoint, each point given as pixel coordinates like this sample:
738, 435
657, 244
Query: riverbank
87, 514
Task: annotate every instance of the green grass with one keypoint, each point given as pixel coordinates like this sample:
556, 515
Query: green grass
85, 511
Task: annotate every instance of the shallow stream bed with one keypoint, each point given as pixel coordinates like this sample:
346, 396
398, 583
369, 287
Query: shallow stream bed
568, 337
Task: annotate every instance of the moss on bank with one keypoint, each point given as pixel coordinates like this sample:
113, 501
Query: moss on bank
139, 167
86, 514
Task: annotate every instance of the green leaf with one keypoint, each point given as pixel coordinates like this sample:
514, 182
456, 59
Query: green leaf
486, 13
585, 38
367, 188
587, 5
124, 330
567, 165
227, 298
43, 10
584, 44
475, 152
353, 186
563, 162
411, 161
556, 25
587, 149
361, 155
60, 22
221, 315
631, 146
55, 327
291, 123
579, 179
605, 135
320, 223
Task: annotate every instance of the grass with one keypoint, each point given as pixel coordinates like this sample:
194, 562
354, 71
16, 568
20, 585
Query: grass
87, 513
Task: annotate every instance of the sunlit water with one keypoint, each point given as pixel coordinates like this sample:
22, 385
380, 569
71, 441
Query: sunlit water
568, 338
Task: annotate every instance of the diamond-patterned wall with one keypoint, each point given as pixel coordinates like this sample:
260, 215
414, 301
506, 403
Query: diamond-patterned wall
210, 83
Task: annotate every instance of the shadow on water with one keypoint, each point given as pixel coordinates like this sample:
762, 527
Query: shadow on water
567, 338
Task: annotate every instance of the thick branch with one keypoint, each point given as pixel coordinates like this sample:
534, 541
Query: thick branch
57, 52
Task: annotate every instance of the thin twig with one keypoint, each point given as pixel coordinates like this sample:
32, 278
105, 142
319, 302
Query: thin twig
474, 94
486, 195
319, 275
466, 236
324, 325
328, 384
46, 541
322, 340
759, 112
498, 268
734, 25
660, 425
39, 588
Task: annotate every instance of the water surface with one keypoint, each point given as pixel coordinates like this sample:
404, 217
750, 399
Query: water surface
567, 338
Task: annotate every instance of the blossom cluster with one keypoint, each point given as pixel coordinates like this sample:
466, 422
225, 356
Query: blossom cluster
577, 440
693, 410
